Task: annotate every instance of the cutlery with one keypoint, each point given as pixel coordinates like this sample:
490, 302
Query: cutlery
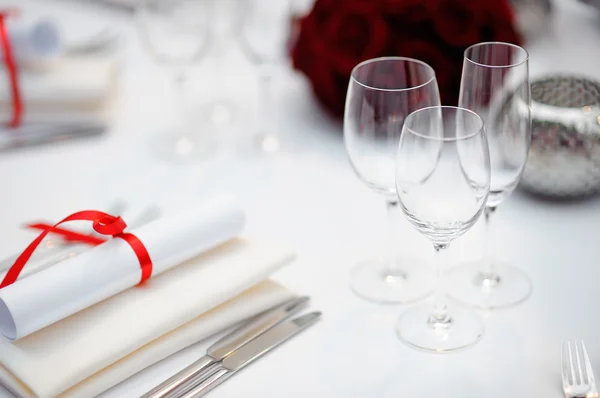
103, 40
577, 374
226, 346
249, 353
38, 133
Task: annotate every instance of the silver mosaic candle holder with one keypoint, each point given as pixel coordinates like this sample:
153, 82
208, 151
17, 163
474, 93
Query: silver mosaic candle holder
564, 159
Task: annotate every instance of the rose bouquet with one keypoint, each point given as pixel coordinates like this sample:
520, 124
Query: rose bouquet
338, 34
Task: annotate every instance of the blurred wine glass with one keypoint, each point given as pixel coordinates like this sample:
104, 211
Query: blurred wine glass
222, 111
177, 34
263, 31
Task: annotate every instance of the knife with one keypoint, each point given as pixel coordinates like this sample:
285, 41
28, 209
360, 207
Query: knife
249, 353
227, 345
38, 133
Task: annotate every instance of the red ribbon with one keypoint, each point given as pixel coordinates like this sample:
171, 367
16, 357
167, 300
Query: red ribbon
68, 235
12, 70
102, 223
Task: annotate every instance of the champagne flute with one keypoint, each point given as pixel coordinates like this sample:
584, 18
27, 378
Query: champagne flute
381, 93
495, 84
443, 181
176, 33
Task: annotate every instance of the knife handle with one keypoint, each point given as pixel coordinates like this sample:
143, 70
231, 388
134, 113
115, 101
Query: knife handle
180, 378
207, 385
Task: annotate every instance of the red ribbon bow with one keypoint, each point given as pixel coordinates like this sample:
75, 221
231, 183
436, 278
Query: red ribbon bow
11, 68
102, 223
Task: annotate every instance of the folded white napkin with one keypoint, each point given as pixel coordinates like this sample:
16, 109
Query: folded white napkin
66, 89
99, 347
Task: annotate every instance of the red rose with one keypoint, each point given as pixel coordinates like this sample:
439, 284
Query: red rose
333, 38
309, 56
338, 34
330, 88
308, 50
430, 54
497, 24
458, 21
354, 33
324, 9
410, 10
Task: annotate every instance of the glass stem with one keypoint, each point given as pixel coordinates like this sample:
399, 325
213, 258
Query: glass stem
265, 75
180, 79
489, 277
439, 316
393, 270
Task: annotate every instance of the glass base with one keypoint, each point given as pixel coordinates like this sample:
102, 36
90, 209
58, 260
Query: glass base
508, 286
375, 281
269, 143
263, 145
458, 330
181, 148
220, 114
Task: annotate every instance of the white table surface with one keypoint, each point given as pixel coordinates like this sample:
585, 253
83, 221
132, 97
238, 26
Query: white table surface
312, 201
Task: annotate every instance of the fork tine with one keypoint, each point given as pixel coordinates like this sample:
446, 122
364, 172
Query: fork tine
571, 367
588, 364
563, 364
579, 370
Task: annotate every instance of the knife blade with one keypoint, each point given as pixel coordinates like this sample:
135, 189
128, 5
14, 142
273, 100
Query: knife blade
250, 352
33, 134
227, 345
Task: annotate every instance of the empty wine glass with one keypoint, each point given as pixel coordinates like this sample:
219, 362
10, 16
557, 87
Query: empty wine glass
176, 33
495, 84
222, 111
381, 93
443, 181
263, 30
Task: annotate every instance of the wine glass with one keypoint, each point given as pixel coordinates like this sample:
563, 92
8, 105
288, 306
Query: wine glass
495, 84
222, 110
443, 182
176, 33
263, 30
381, 93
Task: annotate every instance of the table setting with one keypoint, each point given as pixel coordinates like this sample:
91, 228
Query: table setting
53, 60
275, 207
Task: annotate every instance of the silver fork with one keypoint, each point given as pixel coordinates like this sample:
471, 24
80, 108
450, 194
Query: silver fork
577, 374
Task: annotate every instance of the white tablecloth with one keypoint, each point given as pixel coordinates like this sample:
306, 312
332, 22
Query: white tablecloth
312, 200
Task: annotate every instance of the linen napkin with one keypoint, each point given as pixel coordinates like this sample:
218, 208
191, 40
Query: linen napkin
66, 89
114, 266
94, 349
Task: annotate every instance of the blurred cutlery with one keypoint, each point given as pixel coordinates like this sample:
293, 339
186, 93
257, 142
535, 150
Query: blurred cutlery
38, 133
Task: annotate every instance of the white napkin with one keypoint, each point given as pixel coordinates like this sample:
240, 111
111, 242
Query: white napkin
97, 348
66, 89
110, 268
